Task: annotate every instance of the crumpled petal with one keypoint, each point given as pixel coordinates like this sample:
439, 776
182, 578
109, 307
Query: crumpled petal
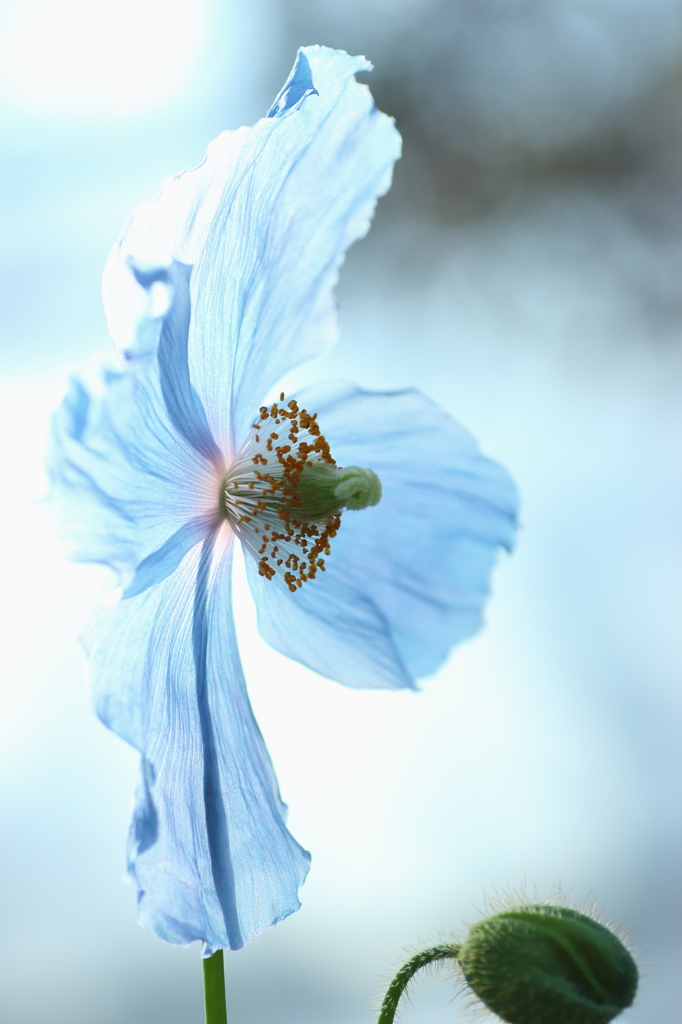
265, 221
209, 851
408, 578
136, 469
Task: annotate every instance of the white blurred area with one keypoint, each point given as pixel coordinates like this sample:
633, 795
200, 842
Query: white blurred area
525, 273
75, 57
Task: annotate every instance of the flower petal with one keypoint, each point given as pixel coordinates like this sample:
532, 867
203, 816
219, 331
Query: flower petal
167, 558
265, 220
408, 578
136, 470
209, 851
183, 405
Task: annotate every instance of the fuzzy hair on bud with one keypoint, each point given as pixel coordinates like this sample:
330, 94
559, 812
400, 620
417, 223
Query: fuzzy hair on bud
540, 963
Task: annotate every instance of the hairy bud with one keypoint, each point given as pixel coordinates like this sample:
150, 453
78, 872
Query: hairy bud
536, 963
548, 964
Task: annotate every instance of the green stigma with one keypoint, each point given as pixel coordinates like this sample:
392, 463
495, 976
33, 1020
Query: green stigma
325, 490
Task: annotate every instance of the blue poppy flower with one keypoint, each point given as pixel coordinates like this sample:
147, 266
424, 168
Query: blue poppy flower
176, 456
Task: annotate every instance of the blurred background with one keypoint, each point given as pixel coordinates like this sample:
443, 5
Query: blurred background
524, 271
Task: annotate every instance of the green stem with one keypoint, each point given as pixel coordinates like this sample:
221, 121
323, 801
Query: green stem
214, 989
407, 972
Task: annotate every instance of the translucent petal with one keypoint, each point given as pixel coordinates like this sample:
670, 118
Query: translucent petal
408, 578
183, 405
135, 469
264, 221
209, 851
167, 558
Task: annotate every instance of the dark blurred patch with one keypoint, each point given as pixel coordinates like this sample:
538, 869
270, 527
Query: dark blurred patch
542, 150
497, 97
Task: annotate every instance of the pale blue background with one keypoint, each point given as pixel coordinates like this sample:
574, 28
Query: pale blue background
525, 273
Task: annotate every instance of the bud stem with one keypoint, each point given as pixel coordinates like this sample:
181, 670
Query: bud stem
214, 989
449, 951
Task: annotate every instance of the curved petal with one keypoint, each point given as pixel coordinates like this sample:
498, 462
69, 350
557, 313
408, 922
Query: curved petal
209, 851
183, 405
135, 469
408, 578
167, 558
265, 220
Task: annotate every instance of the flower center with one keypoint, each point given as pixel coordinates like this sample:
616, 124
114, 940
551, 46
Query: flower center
283, 495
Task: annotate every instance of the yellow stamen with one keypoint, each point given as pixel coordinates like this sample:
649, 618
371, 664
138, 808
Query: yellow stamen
294, 491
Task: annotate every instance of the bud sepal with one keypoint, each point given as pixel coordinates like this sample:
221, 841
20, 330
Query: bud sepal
546, 964
535, 963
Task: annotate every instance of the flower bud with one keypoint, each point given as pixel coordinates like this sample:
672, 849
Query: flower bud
547, 964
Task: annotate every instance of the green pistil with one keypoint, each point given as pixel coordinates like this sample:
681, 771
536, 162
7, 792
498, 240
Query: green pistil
324, 490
